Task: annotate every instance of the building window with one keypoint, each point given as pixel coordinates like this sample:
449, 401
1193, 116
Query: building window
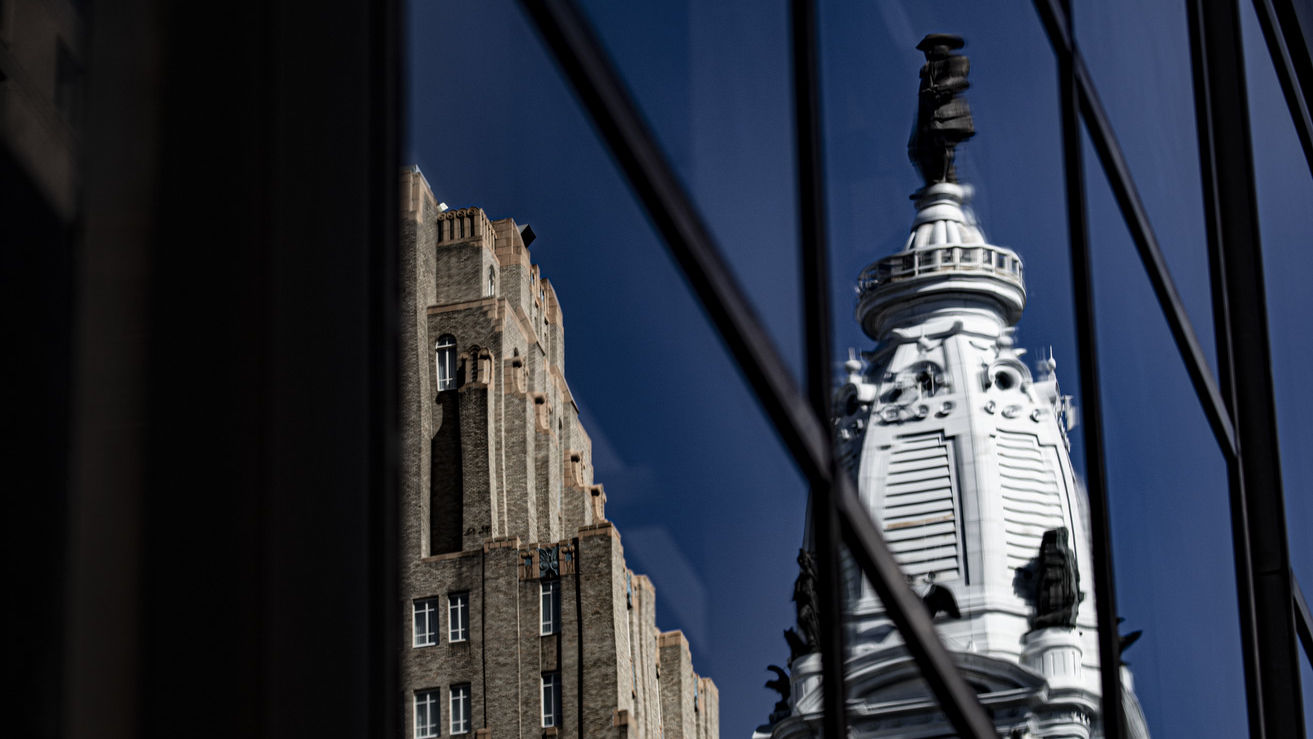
426, 714
492, 283
458, 617
446, 362
460, 709
426, 622
550, 606
551, 699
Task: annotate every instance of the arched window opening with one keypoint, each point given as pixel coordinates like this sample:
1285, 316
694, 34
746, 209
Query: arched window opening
446, 362
492, 283
926, 381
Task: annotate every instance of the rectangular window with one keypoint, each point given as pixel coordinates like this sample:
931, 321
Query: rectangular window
445, 362
551, 699
550, 607
458, 617
460, 709
426, 622
426, 714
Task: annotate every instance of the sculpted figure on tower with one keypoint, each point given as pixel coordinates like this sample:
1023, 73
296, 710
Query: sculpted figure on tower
943, 119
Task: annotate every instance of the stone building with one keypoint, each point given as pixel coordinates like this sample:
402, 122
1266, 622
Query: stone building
522, 619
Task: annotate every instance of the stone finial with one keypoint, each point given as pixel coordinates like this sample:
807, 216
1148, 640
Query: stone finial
598, 503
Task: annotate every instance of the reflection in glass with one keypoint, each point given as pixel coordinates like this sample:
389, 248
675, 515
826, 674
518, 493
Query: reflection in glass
460, 709
425, 622
445, 362
961, 452
458, 617
426, 714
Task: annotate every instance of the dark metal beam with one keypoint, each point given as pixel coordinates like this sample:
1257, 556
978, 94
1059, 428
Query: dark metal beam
1137, 221
1245, 599
1096, 484
1289, 50
576, 48
1263, 580
1303, 621
816, 322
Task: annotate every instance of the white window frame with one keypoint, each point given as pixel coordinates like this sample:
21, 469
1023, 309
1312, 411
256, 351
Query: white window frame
549, 607
428, 714
551, 699
425, 622
444, 361
458, 616
460, 709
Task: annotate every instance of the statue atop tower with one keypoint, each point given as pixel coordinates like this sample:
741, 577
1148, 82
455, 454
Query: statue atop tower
943, 118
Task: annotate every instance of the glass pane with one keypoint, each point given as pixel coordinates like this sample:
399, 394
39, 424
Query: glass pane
1139, 57
711, 78
694, 478
708, 505
963, 460
1168, 496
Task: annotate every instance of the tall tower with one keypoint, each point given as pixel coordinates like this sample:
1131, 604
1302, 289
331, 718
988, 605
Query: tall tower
521, 617
961, 455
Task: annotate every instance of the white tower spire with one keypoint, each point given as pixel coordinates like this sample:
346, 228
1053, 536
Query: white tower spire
961, 456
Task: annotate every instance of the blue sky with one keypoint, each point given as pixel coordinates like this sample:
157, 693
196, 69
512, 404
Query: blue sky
705, 497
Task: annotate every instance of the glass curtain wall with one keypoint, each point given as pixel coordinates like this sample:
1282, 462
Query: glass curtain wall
704, 495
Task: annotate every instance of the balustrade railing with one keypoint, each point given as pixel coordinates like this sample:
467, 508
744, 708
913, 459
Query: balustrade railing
992, 260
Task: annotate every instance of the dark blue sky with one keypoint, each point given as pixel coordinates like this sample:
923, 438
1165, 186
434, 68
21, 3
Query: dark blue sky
705, 497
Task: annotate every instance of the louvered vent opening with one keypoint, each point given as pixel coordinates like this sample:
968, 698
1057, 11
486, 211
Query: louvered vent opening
1032, 503
920, 511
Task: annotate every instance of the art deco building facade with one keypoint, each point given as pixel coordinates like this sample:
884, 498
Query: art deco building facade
522, 619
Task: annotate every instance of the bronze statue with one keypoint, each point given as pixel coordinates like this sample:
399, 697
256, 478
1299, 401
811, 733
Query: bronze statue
943, 119
1057, 592
797, 647
804, 598
780, 685
939, 599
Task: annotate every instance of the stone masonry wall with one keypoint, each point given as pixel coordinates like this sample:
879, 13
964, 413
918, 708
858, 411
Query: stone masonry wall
677, 685
708, 713
645, 658
604, 631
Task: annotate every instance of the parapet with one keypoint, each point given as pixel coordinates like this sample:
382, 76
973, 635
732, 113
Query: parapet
465, 224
